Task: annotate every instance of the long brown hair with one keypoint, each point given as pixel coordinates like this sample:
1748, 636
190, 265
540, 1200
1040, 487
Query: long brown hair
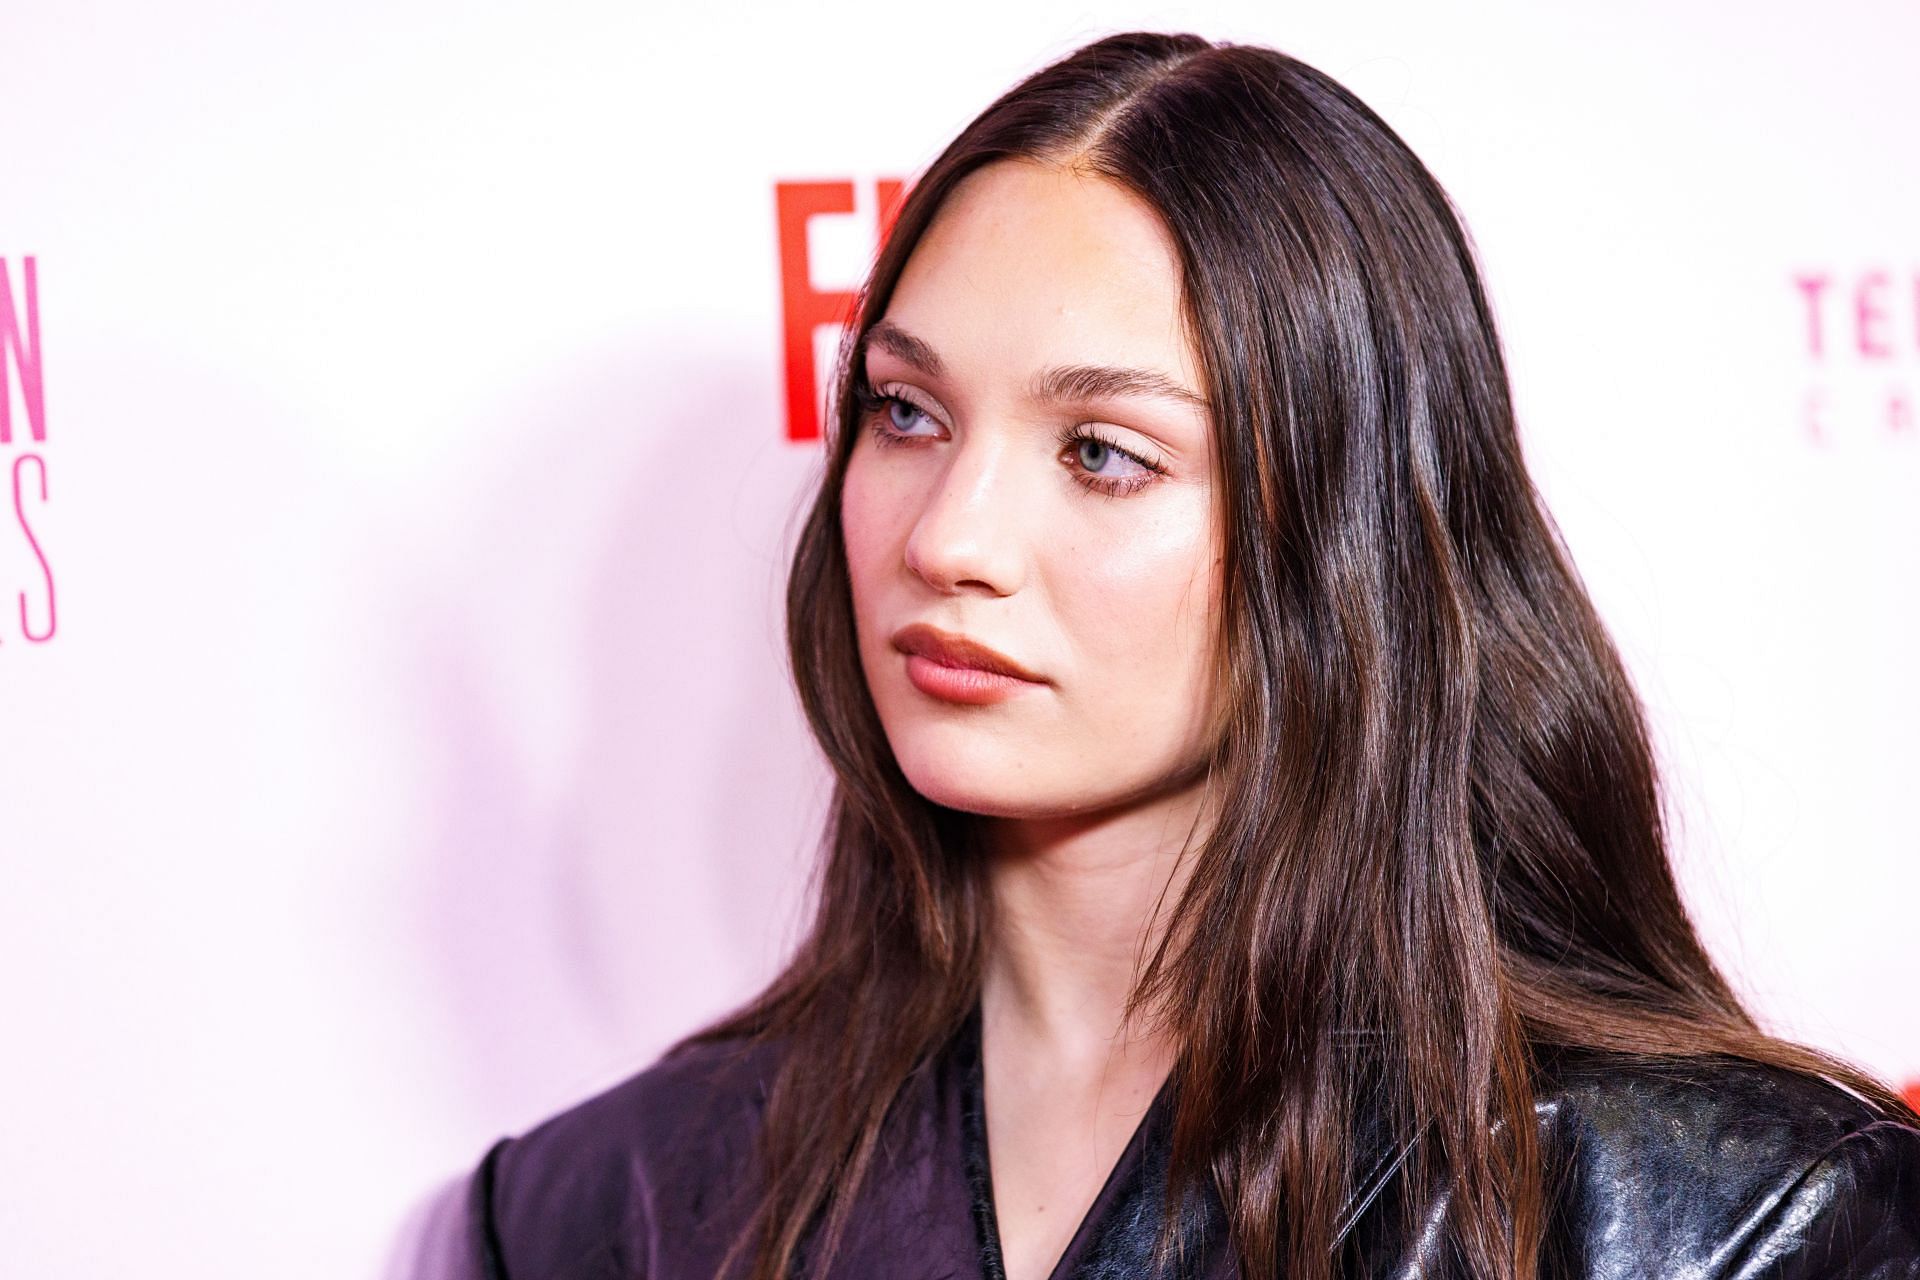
1439, 819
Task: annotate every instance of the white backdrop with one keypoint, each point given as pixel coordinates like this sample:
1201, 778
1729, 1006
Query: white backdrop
412, 753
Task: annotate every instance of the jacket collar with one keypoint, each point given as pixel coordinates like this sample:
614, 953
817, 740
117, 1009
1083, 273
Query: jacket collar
1116, 1237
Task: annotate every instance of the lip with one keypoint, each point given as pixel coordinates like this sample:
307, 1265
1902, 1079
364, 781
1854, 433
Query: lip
952, 650
945, 665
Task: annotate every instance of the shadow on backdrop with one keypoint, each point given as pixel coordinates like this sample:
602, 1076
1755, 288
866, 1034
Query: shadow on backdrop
624, 800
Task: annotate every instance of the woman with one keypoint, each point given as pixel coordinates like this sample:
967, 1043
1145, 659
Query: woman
1246, 856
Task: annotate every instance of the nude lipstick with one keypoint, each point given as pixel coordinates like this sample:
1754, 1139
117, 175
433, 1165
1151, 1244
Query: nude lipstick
953, 668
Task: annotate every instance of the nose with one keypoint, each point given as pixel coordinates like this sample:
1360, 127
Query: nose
968, 536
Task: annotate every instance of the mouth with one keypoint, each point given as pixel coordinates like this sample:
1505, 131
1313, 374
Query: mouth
950, 650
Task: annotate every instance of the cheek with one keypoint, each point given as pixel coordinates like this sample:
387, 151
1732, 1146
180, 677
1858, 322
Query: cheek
861, 528
1145, 603
876, 515
1149, 619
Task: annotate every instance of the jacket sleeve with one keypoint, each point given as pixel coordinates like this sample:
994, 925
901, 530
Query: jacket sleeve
482, 1236
551, 1205
1852, 1214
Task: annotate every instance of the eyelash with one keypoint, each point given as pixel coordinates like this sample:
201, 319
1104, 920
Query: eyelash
870, 403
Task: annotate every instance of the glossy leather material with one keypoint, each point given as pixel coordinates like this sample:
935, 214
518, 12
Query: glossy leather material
1706, 1170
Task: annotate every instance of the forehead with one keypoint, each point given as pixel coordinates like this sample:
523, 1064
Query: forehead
1027, 265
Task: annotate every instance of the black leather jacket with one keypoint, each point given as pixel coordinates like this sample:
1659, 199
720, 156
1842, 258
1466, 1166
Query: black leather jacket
1709, 1170
1742, 1172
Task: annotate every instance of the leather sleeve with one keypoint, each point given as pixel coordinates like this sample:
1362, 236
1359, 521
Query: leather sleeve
549, 1205
1853, 1214
482, 1237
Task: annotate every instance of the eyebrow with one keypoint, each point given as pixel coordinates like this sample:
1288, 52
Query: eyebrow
1060, 382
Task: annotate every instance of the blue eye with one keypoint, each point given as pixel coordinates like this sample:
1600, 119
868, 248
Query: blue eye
1094, 453
1098, 464
902, 421
896, 423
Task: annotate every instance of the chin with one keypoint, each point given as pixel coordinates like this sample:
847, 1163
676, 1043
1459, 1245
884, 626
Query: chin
987, 797
995, 787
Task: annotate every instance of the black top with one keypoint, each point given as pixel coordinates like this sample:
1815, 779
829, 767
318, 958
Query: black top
1703, 1169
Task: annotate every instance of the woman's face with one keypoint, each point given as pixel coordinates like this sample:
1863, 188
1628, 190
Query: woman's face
1036, 478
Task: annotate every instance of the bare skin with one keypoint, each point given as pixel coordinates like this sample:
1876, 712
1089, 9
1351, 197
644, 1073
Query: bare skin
1076, 534
1067, 1081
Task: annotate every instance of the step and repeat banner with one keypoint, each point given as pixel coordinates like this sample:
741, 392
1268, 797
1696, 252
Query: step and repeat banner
407, 413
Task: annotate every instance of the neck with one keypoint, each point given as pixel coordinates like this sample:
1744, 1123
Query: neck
1077, 903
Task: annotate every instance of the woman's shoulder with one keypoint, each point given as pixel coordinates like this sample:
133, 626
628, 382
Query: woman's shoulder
704, 1087
1624, 1095
1722, 1167
578, 1193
